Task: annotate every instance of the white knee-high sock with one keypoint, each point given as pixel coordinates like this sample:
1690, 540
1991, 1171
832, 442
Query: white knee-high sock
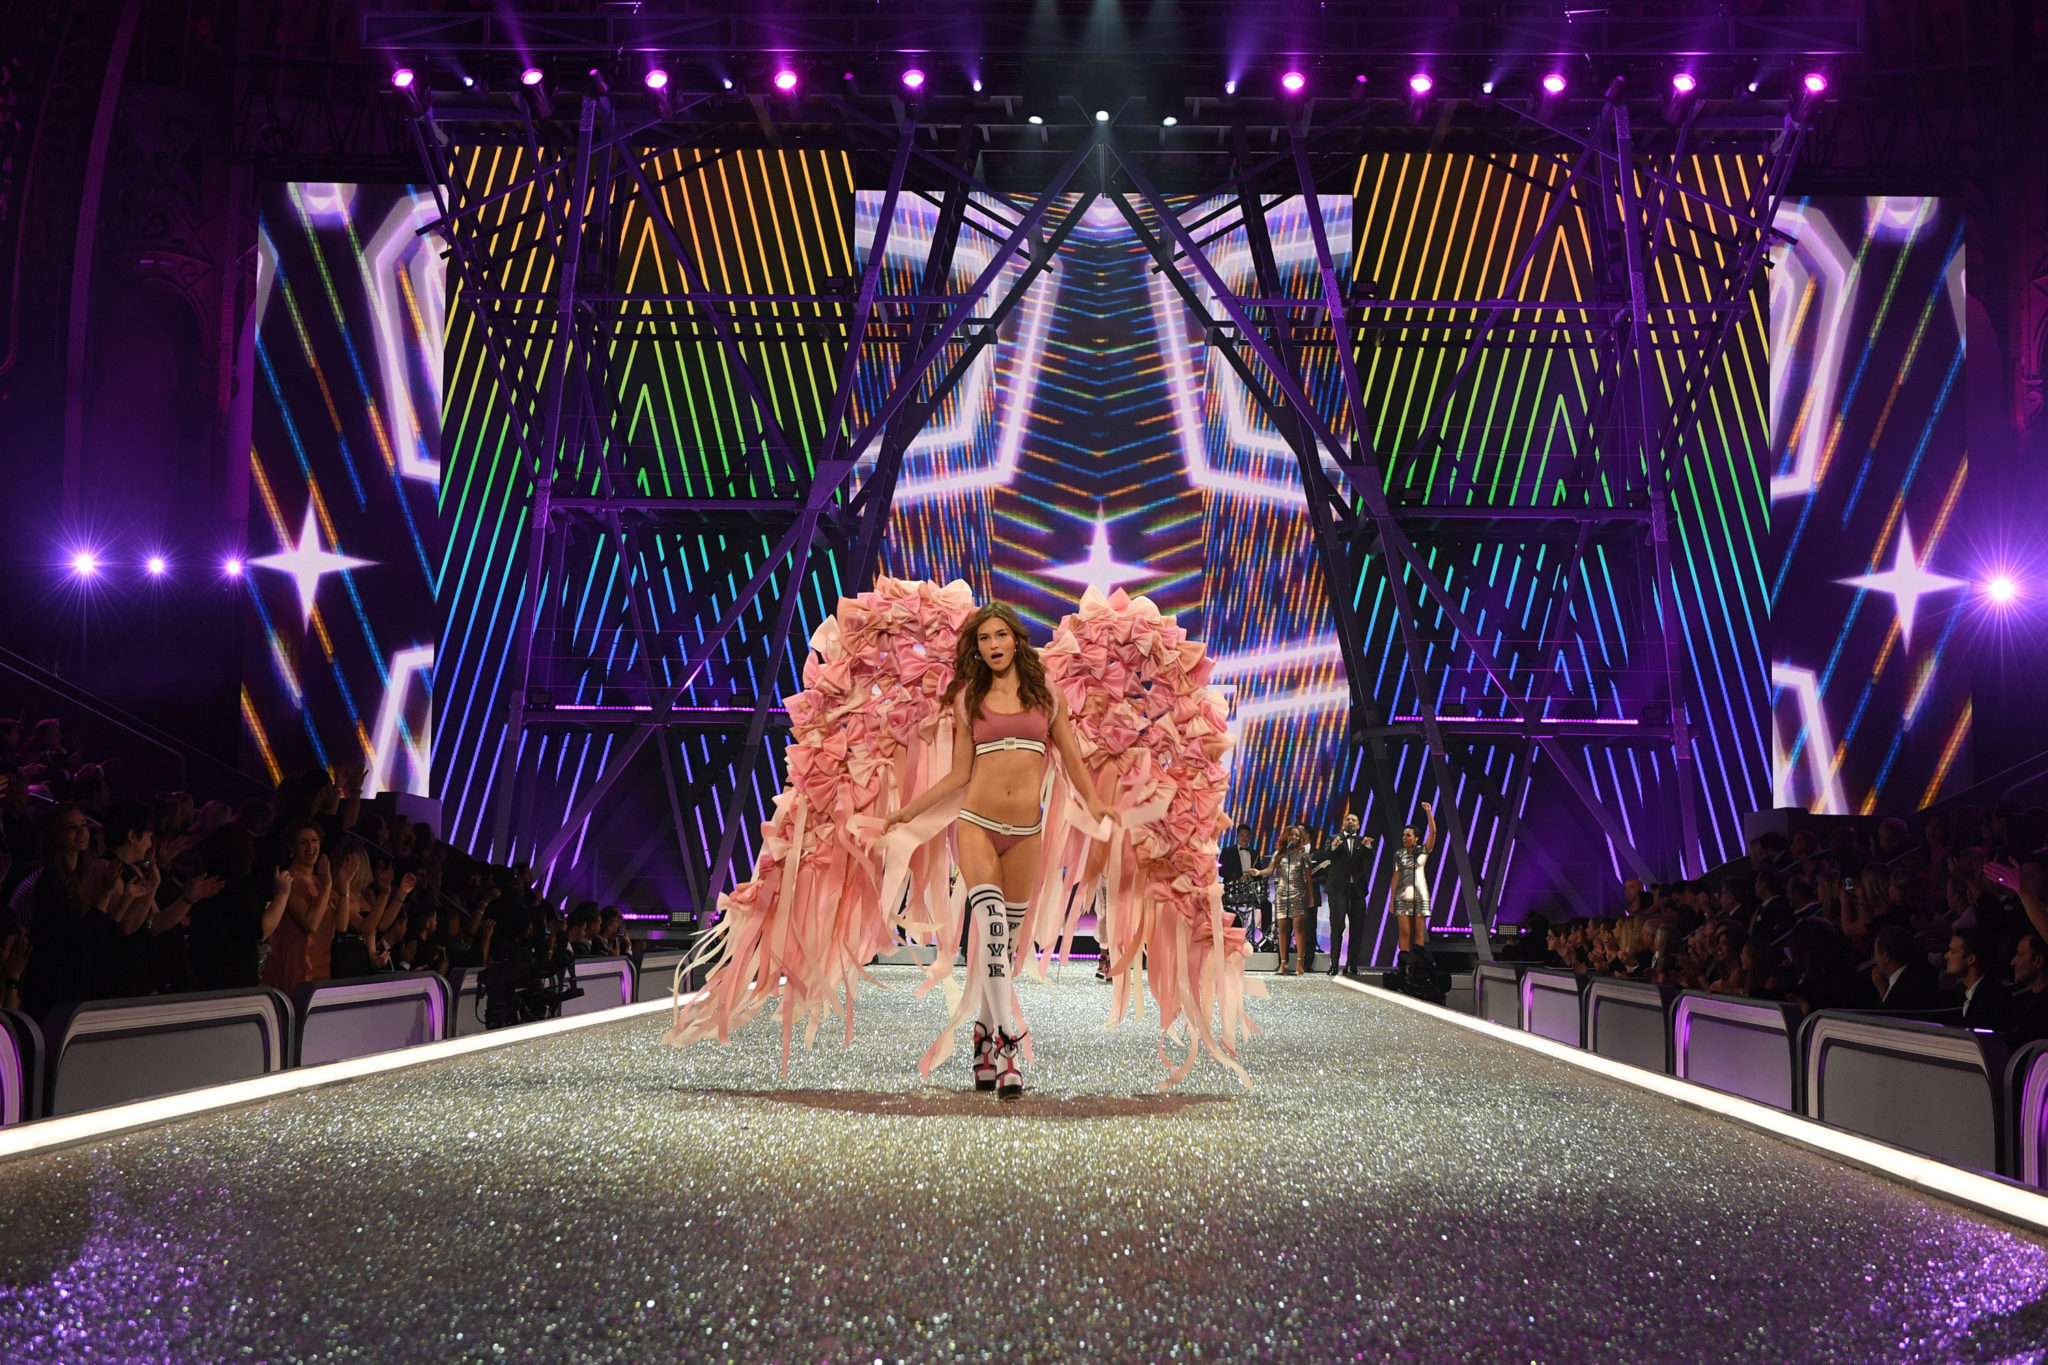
985, 903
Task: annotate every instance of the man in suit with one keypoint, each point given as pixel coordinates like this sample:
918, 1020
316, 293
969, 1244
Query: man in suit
2029, 1021
1971, 956
1347, 872
1903, 979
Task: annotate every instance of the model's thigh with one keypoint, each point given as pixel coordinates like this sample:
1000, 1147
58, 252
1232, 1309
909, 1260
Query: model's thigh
976, 852
1020, 868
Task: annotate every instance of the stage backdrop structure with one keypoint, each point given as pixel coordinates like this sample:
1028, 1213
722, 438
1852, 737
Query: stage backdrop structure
698, 382
344, 543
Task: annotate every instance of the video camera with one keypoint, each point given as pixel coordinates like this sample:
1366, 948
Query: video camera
526, 987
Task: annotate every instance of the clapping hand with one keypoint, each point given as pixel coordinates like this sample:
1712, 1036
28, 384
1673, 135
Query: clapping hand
203, 888
281, 885
2006, 875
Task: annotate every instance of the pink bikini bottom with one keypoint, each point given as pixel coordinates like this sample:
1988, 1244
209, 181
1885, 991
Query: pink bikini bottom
1003, 836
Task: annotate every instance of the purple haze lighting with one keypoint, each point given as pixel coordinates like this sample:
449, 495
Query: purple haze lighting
85, 563
1684, 83
530, 76
1420, 83
1292, 82
402, 78
1815, 82
1554, 83
914, 78
2002, 589
657, 79
156, 565
232, 568
785, 80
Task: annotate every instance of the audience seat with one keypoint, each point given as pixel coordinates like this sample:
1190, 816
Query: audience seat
1927, 1087
1630, 1021
369, 1014
1497, 992
2026, 1090
1554, 1005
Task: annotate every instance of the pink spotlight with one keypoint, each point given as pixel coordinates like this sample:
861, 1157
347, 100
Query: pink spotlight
2002, 589
785, 80
530, 76
657, 79
1815, 83
232, 568
1684, 83
156, 565
1292, 82
1554, 83
85, 563
914, 78
1420, 83
402, 78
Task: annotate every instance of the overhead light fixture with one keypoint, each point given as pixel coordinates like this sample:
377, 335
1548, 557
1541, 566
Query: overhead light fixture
85, 563
1486, 87
725, 81
1815, 83
402, 78
1753, 86
1230, 87
1554, 83
156, 566
914, 79
1102, 115
530, 77
231, 567
1685, 83
975, 85
656, 79
785, 80
469, 82
2002, 589
1034, 120
1293, 82
1420, 83
1168, 122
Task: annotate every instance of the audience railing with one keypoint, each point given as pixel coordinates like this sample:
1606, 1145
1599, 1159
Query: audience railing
1928, 1088
369, 1014
2026, 1088
1553, 1005
21, 1068
607, 983
1497, 993
104, 1052
655, 976
1741, 1046
1630, 1021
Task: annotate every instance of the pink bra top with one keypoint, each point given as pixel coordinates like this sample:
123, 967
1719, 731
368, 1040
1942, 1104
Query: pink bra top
999, 730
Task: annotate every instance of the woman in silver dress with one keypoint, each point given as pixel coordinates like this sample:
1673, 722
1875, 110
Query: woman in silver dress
1294, 897
1410, 905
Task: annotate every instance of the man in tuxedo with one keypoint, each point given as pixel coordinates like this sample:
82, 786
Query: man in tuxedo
1903, 979
2029, 1021
1347, 873
1971, 955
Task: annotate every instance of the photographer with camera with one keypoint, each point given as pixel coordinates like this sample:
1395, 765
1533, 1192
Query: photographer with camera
532, 967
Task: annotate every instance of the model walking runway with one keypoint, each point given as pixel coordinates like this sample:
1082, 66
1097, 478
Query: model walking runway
1391, 1189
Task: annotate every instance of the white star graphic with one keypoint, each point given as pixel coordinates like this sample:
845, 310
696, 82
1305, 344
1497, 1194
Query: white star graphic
1100, 570
1907, 580
306, 561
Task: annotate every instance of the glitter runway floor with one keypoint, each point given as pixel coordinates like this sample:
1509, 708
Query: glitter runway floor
1392, 1190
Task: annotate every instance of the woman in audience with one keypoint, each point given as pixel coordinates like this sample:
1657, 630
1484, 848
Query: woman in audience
65, 927
230, 929
302, 948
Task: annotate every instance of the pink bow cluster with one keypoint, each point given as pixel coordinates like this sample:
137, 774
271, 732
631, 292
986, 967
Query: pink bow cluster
1151, 732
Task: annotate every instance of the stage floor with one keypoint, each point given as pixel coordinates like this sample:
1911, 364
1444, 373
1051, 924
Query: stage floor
1392, 1189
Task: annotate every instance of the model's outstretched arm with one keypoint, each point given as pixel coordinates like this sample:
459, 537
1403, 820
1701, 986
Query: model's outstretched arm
1429, 839
955, 780
1070, 756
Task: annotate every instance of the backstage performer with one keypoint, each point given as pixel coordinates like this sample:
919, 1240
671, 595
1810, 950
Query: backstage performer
1006, 716
1410, 904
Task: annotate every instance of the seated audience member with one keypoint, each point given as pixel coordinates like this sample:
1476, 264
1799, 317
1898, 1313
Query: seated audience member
2028, 1021
1823, 978
1971, 957
582, 929
611, 934
230, 928
1772, 918
1903, 979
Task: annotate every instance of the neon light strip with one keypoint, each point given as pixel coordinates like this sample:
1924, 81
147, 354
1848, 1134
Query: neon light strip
1981, 1192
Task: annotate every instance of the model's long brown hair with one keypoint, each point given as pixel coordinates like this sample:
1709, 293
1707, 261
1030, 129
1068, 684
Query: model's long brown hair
972, 675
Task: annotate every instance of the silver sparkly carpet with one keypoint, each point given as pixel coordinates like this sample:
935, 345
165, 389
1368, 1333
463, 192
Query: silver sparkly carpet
1391, 1191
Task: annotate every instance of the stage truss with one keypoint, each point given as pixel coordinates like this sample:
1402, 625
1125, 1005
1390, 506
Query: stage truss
606, 692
